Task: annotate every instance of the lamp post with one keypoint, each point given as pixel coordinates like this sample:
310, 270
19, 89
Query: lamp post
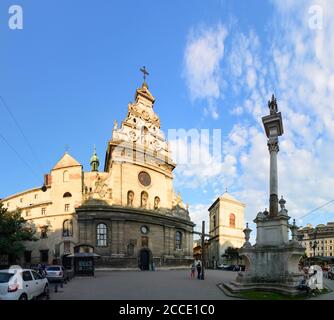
203, 251
315, 243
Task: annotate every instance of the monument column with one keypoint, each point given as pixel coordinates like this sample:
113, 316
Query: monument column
273, 200
273, 126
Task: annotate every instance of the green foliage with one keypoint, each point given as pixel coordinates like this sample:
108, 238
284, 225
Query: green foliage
231, 254
13, 231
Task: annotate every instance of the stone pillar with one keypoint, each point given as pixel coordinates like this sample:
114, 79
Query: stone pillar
273, 200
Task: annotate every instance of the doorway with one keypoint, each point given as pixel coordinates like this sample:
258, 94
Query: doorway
144, 259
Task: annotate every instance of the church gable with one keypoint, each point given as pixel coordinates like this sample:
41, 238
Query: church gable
65, 162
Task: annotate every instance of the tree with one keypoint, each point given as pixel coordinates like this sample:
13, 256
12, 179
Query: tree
14, 230
231, 254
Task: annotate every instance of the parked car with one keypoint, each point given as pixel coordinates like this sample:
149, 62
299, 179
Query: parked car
56, 273
234, 267
21, 284
331, 273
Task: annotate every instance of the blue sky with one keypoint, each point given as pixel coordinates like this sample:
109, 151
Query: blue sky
213, 64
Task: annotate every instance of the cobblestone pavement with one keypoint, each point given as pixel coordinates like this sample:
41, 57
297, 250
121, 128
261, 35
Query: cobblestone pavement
145, 285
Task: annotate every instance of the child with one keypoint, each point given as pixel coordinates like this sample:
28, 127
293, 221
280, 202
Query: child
193, 268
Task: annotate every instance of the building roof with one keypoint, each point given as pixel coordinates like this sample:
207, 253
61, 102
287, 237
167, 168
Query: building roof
226, 197
66, 161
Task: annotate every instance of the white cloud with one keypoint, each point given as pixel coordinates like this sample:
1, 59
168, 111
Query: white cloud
203, 54
298, 66
199, 213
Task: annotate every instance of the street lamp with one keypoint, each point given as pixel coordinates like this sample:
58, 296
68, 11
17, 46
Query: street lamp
314, 246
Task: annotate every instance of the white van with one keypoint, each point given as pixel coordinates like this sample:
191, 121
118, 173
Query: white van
21, 284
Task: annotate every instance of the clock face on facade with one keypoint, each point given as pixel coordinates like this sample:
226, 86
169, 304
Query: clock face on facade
144, 230
144, 178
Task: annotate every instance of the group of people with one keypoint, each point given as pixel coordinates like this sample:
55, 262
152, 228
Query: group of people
196, 266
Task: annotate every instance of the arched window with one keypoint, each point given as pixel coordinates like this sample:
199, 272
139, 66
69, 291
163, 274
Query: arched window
101, 235
67, 195
66, 176
68, 228
232, 220
178, 240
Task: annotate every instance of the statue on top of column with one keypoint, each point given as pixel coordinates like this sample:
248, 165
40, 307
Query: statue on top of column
272, 105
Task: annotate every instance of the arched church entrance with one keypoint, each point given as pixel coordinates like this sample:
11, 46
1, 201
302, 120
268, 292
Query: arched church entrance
144, 259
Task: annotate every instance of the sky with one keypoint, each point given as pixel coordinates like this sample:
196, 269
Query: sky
73, 68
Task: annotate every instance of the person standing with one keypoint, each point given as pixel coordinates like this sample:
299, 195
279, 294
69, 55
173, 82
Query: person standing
199, 270
193, 268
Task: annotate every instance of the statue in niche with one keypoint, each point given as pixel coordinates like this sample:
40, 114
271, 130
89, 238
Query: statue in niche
144, 199
115, 125
130, 198
156, 203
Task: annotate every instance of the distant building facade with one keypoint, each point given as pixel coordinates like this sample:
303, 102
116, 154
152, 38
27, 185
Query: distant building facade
226, 226
128, 214
324, 237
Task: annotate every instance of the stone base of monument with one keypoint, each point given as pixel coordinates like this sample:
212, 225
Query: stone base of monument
272, 263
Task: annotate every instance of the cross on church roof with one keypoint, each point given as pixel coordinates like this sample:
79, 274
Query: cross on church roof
144, 71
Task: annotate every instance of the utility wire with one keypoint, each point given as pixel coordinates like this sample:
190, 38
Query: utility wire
21, 131
18, 155
312, 211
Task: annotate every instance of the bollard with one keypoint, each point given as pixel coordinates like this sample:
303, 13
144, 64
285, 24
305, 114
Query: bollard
56, 287
61, 284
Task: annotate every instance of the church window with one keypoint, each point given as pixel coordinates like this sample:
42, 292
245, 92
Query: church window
68, 228
44, 256
67, 207
44, 232
232, 220
36, 196
67, 195
66, 176
43, 211
144, 178
214, 220
130, 249
178, 240
28, 213
21, 200
101, 235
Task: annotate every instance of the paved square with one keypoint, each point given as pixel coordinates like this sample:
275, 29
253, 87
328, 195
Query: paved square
145, 285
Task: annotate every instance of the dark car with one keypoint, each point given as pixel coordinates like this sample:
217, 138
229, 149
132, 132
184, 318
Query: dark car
331, 273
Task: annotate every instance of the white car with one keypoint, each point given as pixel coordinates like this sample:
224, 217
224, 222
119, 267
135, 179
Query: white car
21, 284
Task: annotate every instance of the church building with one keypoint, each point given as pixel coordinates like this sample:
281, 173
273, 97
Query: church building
226, 224
128, 214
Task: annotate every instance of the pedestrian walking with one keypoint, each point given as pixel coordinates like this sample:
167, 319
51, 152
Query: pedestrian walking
199, 270
193, 269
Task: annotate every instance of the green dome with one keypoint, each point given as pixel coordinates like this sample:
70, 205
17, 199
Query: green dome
94, 161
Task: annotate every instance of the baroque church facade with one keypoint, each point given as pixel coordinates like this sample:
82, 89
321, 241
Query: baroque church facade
128, 214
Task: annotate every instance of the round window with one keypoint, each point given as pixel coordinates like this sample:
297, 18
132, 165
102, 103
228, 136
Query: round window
144, 178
